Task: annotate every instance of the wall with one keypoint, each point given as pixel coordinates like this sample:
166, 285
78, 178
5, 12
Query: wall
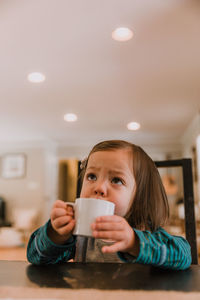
156, 151
27, 192
189, 140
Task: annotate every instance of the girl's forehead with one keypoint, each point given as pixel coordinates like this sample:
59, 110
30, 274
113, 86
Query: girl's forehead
118, 158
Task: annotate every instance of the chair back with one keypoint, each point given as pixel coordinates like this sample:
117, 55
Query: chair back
190, 224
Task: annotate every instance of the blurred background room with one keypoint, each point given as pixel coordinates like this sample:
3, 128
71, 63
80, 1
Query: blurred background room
74, 73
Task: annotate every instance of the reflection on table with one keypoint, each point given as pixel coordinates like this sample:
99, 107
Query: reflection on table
19, 279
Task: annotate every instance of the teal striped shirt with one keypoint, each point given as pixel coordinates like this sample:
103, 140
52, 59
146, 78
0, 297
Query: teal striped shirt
158, 249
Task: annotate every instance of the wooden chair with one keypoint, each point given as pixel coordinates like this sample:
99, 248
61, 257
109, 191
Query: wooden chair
190, 224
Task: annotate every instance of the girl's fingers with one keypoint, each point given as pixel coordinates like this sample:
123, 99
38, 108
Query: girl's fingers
58, 212
110, 223
113, 248
61, 221
107, 226
113, 218
113, 235
67, 228
59, 204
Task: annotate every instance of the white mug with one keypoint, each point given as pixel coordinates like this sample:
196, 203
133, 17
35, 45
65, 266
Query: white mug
86, 210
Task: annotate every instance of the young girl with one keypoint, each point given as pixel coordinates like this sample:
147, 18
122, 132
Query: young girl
124, 174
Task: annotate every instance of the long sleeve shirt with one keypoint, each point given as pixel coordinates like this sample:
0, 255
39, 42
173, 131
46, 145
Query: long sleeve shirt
158, 249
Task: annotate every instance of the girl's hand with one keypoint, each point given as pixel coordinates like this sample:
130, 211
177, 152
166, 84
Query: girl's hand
117, 229
62, 221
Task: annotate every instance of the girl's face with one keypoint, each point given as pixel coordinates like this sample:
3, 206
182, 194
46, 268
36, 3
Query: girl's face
109, 176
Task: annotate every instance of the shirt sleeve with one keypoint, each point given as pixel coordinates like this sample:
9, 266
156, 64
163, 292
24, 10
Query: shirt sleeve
41, 250
161, 249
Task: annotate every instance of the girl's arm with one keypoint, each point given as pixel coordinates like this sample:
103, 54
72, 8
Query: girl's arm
41, 250
161, 249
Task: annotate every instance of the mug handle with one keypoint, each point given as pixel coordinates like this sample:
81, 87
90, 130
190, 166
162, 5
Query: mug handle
71, 204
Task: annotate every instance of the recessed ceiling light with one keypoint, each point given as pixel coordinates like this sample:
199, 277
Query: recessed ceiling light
133, 126
36, 77
70, 117
122, 34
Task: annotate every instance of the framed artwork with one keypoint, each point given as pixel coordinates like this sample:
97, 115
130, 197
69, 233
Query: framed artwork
13, 165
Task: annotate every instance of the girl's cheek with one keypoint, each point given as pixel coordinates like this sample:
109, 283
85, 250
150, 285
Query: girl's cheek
118, 211
121, 210
83, 189
83, 193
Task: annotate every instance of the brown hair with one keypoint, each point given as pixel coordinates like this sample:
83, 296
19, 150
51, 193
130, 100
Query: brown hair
150, 208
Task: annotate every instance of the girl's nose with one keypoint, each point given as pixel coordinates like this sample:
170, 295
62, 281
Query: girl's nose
99, 193
100, 189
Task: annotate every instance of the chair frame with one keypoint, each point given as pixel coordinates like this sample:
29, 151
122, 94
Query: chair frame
190, 223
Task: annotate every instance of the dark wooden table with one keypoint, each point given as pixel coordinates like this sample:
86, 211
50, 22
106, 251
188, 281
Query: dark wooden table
108, 276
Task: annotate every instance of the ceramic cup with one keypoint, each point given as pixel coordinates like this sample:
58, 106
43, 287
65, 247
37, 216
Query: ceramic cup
86, 210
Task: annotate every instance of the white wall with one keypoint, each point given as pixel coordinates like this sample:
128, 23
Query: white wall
155, 151
189, 140
27, 192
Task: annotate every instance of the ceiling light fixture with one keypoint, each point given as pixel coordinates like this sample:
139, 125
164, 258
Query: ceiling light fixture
36, 77
70, 117
133, 126
122, 34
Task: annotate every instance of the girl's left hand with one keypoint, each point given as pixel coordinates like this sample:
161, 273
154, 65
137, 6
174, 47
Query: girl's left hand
117, 229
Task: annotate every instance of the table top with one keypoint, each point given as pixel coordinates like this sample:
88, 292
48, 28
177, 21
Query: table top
100, 276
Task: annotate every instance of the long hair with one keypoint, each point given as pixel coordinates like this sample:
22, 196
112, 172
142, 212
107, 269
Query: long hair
150, 208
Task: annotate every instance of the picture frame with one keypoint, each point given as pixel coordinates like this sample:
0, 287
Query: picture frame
13, 165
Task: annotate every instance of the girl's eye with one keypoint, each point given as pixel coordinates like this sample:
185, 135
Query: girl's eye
117, 180
91, 176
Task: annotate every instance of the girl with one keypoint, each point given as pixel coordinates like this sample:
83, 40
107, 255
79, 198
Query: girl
124, 174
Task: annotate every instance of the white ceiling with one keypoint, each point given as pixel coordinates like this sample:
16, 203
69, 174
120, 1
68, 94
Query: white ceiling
152, 79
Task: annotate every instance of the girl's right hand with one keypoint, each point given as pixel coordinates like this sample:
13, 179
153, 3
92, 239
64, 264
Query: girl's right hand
62, 222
